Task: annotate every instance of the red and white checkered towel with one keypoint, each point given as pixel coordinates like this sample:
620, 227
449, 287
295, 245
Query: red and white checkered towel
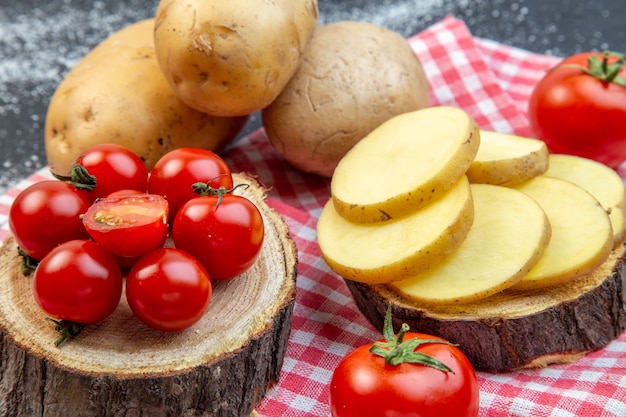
492, 82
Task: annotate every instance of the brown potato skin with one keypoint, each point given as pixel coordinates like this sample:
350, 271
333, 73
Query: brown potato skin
118, 94
352, 78
230, 58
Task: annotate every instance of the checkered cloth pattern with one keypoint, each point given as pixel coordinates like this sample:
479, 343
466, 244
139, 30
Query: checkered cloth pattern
492, 82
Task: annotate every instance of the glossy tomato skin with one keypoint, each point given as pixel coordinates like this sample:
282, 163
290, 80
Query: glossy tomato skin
364, 385
578, 114
115, 168
45, 215
128, 226
174, 174
78, 281
225, 238
168, 289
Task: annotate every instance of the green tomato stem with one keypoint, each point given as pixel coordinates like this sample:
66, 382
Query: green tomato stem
67, 330
29, 264
205, 189
395, 350
79, 177
601, 69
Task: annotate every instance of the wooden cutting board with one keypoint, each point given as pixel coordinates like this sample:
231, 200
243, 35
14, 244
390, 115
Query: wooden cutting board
222, 366
513, 330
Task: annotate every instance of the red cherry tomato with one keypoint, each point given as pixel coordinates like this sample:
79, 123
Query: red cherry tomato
45, 215
168, 289
78, 281
175, 173
226, 237
365, 383
106, 168
128, 226
578, 109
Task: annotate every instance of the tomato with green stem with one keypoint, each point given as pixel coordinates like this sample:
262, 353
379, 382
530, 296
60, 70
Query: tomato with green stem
78, 283
105, 168
579, 107
46, 214
130, 225
409, 374
224, 231
168, 289
174, 174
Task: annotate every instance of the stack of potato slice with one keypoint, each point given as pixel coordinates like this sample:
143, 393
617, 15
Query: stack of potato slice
443, 212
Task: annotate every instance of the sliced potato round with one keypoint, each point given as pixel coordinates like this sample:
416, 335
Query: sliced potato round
398, 249
499, 250
601, 181
508, 237
582, 237
507, 160
404, 164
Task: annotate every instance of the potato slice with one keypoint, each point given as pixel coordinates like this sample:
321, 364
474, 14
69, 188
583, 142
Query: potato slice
601, 181
404, 164
389, 251
499, 250
507, 160
582, 237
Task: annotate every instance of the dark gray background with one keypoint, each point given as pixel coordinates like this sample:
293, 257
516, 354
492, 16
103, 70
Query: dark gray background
41, 40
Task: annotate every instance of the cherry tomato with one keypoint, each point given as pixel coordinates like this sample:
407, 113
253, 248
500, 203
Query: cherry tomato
579, 107
168, 289
78, 281
106, 168
226, 237
431, 378
45, 215
130, 225
174, 174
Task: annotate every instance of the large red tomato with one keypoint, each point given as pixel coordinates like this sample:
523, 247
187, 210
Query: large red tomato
408, 375
579, 107
45, 215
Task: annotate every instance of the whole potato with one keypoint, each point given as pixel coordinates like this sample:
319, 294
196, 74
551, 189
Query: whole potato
232, 57
353, 77
118, 94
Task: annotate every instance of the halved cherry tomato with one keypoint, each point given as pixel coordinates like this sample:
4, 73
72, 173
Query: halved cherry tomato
168, 289
128, 226
175, 173
78, 281
45, 215
124, 193
224, 233
409, 374
105, 168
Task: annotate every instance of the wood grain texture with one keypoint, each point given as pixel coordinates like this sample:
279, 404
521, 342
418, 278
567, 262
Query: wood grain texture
221, 366
517, 329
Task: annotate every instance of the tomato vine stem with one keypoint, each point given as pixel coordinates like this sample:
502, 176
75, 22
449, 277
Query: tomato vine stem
29, 264
67, 330
395, 350
205, 189
79, 177
601, 68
